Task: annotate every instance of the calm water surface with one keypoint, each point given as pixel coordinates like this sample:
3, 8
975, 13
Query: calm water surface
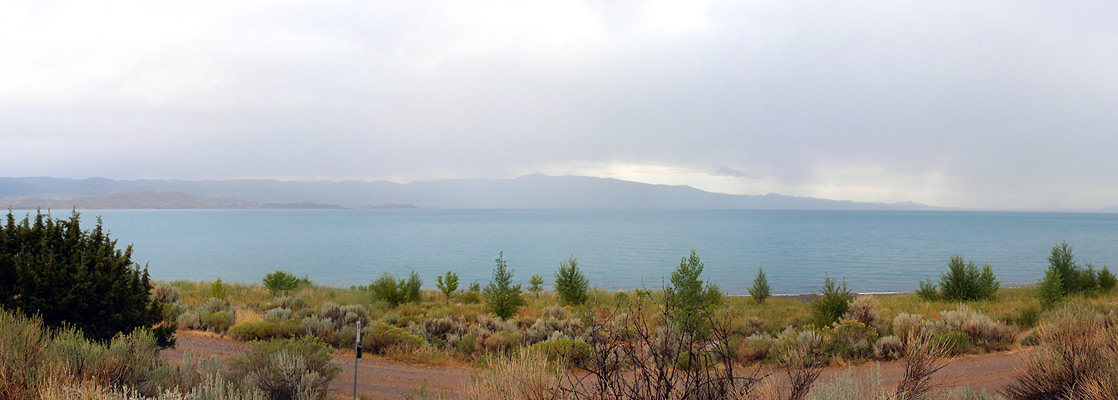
873, 250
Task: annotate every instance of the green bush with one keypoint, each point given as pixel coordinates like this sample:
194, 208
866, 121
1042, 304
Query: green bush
217, 290
264, 330
471, 297
219, 322
536, 283
570, 283
1050, 289
396, 291
467, 344
1027, 317
759, 292
287, 369
831, 304
413, 286
381, 336
954, 342
502, 298
928, 290
961, 282
573, 351
1107, 280
280, 281
52, 268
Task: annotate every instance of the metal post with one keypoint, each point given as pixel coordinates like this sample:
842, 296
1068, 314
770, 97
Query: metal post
356, 349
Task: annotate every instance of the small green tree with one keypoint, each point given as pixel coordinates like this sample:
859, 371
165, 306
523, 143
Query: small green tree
537, 284
413, 285
570, 283
831, 304
962, 282
447, 284
1063, 261
280, 281
1107, 280
686, 295
1050, 289
502, 298
217, 289
387, 288
760, 289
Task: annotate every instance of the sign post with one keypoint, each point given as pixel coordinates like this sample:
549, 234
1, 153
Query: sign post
358, 348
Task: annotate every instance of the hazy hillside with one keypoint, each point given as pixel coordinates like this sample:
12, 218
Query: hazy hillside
146, 200
531, 191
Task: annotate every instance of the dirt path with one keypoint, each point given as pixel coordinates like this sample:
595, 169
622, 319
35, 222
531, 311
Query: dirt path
383, 379
376, 378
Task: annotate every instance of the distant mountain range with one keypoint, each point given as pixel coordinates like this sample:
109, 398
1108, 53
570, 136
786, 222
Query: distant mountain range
528, 192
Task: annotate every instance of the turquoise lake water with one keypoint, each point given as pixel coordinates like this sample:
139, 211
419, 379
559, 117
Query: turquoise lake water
875, 251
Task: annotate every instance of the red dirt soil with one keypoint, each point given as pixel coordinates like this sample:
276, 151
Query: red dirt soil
378, 378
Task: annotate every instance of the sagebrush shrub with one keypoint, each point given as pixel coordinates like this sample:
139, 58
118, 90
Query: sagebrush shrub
381, 336
573, 351
287, 369
165, 292
277, 315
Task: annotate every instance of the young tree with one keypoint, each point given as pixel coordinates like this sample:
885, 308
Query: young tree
413, 286
830, 305
760, 290
570, 283
51, 267
1063, 261
1050, 289
1107, 280
686, 294
217, 289
387, 288
280, 281
447, 284
537, 285
501, 296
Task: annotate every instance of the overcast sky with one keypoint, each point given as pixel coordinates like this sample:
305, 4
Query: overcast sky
991, 104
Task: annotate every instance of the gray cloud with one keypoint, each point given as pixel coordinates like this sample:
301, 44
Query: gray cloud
995, 104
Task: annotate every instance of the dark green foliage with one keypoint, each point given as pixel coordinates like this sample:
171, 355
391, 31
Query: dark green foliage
413, 285
831, 304
1107, 280
954, 342
1063, 261
52, 268
928, 290
501, 296
1027, 318
447, 284
280, 281
962, 282
1050, 289
396, 291
537, 285
570, 283
287, 369
689, 300
760, 289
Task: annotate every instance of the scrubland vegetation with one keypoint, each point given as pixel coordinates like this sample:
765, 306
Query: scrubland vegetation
683, 341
